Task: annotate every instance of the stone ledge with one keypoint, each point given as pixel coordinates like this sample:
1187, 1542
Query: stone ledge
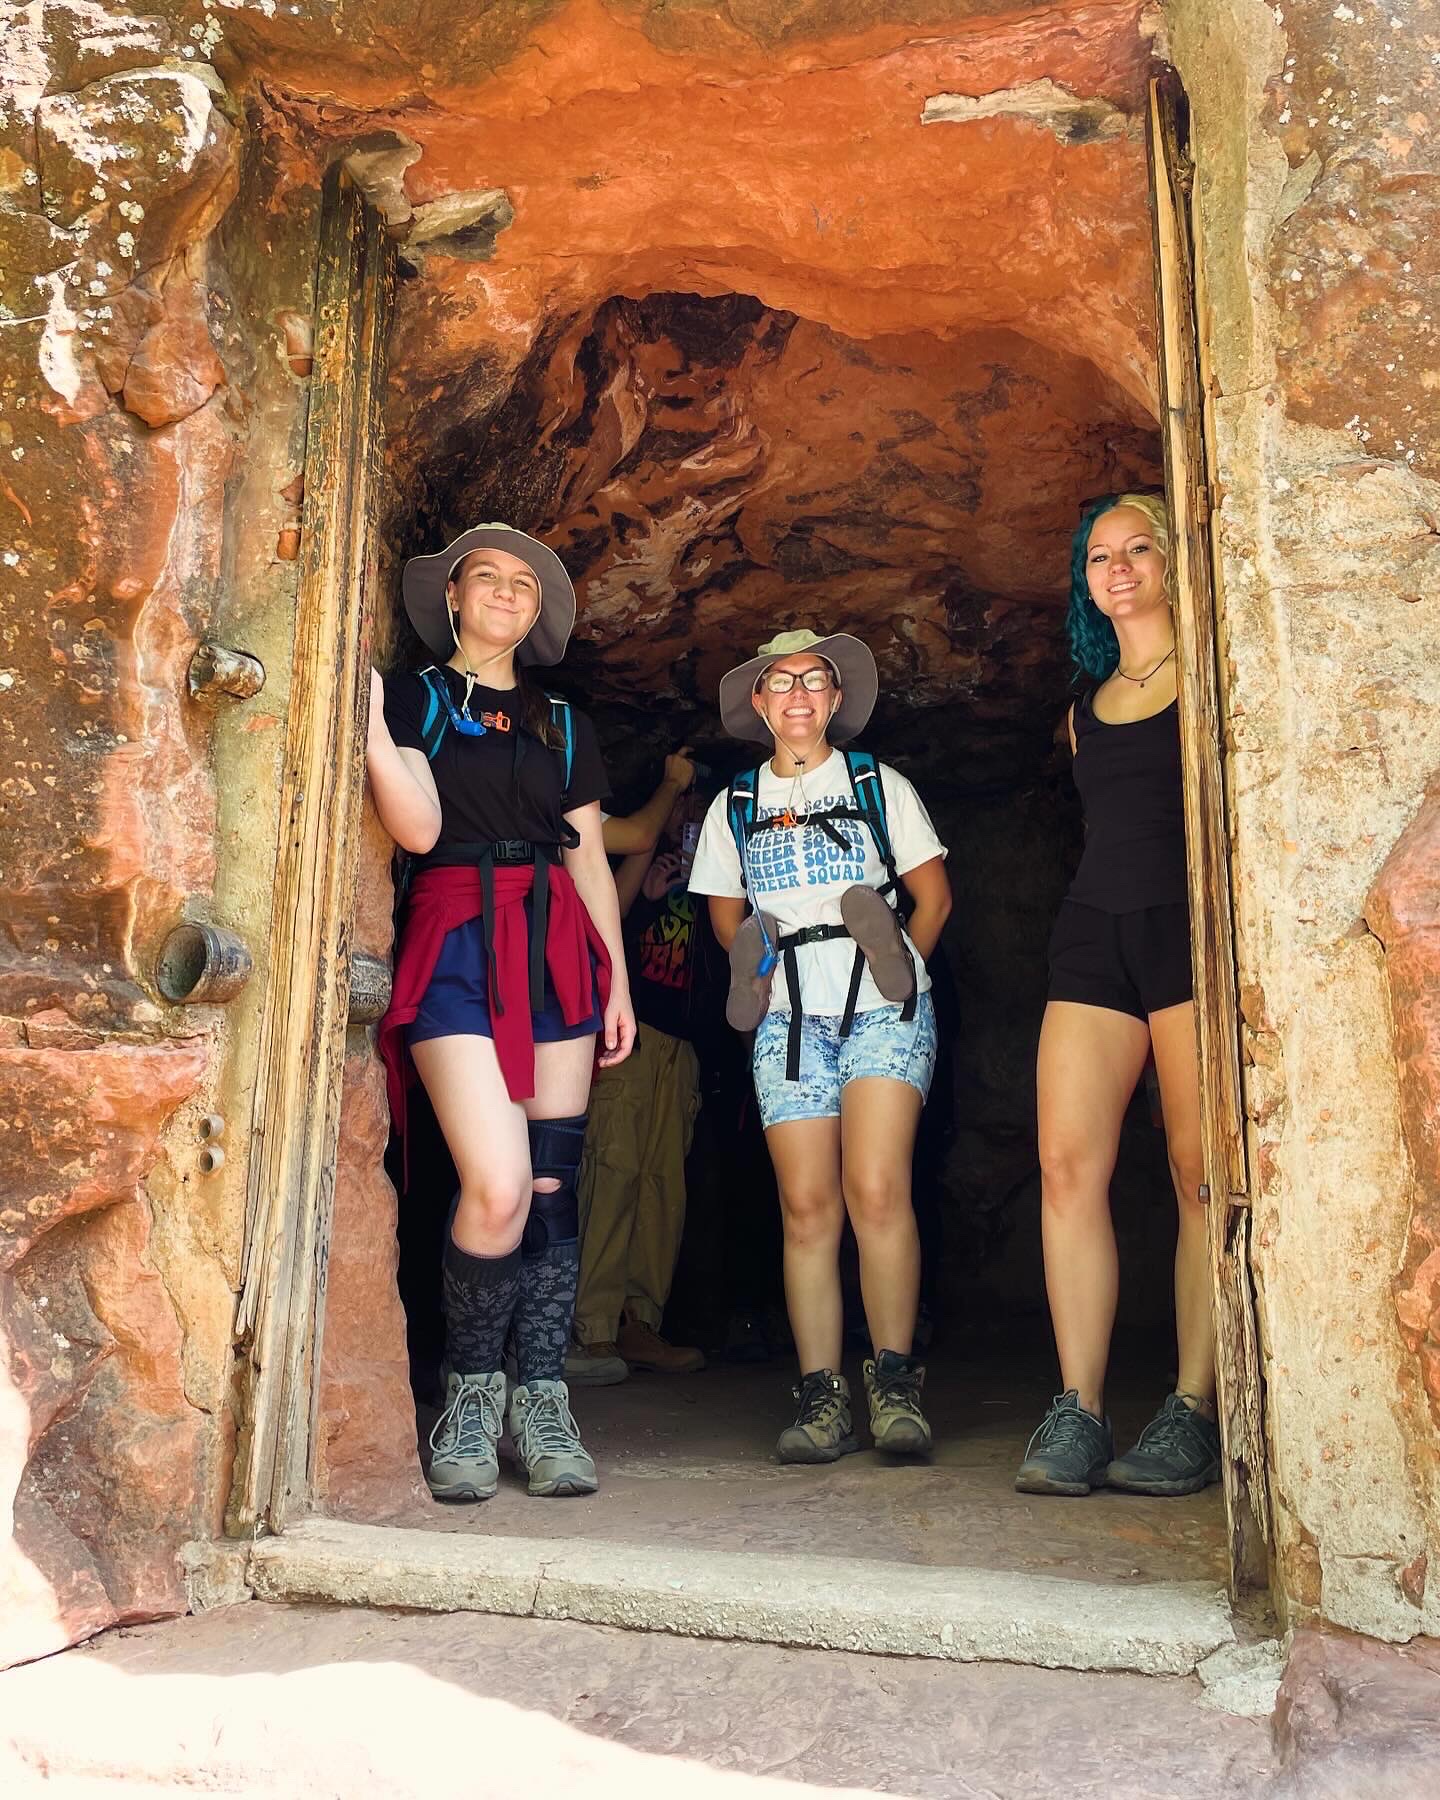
216, 1573
878, 1608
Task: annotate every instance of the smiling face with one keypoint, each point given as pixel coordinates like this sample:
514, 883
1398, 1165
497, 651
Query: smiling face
495, 598
798, 719
1124, 564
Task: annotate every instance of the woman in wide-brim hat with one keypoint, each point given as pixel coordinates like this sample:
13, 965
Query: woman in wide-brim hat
509, 966
815, 845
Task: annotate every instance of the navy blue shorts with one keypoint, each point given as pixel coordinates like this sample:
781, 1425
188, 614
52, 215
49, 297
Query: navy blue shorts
457, 1001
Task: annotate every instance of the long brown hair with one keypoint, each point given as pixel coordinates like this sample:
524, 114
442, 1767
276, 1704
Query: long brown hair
533, 706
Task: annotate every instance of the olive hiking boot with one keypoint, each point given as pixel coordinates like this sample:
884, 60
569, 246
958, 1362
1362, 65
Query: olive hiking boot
892, 1387
463, 1464
823, 1430
1178, 1452
547, 1441
1069, 1453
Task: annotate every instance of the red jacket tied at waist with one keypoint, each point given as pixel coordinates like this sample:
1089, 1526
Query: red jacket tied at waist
446, 897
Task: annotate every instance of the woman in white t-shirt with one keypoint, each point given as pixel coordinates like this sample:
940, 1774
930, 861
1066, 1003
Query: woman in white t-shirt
838, 996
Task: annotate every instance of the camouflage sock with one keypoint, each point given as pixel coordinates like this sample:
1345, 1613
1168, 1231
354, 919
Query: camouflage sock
480, 1295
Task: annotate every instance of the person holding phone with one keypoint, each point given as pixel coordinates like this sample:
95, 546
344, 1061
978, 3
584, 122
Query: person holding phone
632, 1180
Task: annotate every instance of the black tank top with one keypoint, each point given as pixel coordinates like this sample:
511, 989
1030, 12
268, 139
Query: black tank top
1129, 781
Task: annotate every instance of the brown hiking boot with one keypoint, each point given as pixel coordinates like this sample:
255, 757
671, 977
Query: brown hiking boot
644, 1348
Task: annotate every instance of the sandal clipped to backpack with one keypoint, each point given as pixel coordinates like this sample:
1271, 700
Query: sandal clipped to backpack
875, 926
752, 972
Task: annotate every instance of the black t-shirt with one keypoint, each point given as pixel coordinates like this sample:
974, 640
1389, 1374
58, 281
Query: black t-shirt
506, 784
661, 947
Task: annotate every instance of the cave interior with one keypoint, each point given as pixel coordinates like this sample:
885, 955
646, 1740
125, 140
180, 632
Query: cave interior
864, 387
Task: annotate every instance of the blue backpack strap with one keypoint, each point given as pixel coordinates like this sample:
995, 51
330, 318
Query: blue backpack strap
869, 792
740, 811
561, 715
437, 715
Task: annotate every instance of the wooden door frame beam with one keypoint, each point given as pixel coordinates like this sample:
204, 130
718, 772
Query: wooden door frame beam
1187, 430
295, 1117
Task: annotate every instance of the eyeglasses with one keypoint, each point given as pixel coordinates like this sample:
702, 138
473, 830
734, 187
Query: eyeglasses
781, 681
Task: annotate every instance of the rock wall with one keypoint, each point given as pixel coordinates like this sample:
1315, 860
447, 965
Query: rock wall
118, 154
157, 248
1315, 135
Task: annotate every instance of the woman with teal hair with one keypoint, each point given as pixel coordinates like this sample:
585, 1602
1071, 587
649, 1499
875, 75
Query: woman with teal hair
1120, 991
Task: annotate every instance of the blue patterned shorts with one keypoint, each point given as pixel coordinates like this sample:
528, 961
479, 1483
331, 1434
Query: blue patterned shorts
880, 1043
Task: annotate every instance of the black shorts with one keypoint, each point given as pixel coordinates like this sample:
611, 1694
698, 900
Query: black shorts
1135, 962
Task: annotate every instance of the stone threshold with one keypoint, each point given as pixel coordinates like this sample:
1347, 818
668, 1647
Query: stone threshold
823, 1603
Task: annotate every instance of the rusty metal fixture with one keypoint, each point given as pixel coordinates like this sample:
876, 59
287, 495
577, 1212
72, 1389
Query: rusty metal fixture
202, 965
369, 988
214, 670
211, 1158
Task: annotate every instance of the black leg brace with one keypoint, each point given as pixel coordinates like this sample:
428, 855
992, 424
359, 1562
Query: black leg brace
549, 1252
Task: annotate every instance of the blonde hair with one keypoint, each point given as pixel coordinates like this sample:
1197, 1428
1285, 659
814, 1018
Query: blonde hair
1153, 507
1094, 649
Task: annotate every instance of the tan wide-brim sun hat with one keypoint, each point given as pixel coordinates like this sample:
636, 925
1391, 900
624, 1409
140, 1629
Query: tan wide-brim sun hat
426, 577
859, 684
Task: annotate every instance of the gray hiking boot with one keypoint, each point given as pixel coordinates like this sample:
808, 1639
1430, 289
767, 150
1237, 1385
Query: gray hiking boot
823, 1431
547, 1441
1178, 1452
1070, 1452
892, 1387
463, 1465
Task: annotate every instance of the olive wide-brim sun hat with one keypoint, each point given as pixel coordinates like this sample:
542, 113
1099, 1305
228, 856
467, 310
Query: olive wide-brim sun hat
426, 577
859, 684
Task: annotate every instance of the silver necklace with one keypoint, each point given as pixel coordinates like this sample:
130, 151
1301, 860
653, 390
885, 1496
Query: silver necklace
1140, 680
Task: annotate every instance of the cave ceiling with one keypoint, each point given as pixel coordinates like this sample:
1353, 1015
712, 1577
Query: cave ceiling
698, 292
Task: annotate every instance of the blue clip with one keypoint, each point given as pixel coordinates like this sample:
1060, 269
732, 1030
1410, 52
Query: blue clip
767, 963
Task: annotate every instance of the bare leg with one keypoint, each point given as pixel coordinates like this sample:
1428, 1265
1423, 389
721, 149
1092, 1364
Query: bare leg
562, 1080
1177, 1064
806, 1155
878, 1121
485, 1132
1089, 1061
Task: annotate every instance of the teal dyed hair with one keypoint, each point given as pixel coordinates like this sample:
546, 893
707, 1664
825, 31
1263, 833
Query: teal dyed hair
1094, 649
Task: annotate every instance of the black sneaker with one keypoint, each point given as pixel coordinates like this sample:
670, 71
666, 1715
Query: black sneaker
1178, 1452
1070, 1452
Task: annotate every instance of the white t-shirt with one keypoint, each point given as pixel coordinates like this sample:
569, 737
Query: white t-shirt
799, 873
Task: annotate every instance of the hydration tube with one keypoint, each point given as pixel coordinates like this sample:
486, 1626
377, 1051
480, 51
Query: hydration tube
770, 956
